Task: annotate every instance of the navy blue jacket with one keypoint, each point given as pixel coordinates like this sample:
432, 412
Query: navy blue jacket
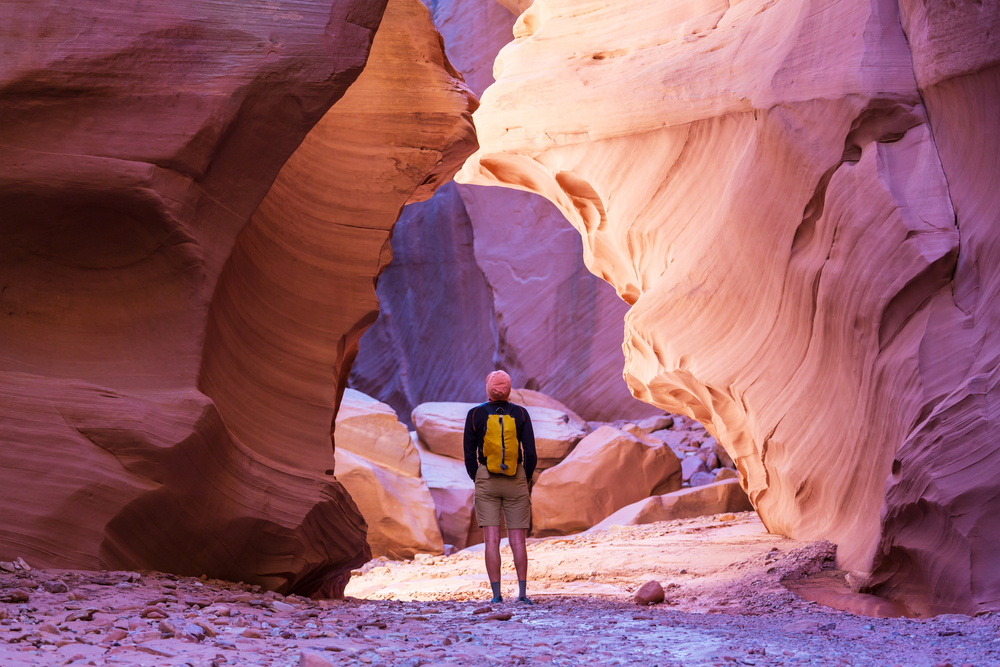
475, 431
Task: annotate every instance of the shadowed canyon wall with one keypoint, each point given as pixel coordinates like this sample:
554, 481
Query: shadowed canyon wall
484, 278
799, 201
191, 236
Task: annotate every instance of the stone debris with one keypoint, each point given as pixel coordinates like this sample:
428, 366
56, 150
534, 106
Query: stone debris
747, 616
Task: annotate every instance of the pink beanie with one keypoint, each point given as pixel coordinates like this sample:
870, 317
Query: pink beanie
498, 386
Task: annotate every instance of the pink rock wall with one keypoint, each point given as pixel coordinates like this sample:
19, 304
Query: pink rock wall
168, 383
484, 278
800, 206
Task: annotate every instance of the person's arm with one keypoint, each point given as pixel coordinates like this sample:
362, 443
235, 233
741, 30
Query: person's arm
469, 444
528, 446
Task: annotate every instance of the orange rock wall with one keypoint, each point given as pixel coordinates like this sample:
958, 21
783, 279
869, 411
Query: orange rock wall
799, 205
168, 384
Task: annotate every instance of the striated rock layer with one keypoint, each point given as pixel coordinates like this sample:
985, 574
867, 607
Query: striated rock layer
168, 383
801, 206
484, 278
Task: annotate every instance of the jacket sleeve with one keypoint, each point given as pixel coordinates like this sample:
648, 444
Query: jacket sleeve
470, 445
528, 444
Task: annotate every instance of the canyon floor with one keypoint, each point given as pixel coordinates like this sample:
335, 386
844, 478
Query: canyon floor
725, 605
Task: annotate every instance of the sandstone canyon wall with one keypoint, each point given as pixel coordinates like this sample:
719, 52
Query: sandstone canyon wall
191, 236
484, 278
799, 201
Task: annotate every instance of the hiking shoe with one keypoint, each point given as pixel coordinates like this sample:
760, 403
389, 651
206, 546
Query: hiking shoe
497, 599
525, 600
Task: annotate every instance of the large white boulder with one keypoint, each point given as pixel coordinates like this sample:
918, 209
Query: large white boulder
725, 496
371, 429
400, 511
608, 470
441, 427
454, 496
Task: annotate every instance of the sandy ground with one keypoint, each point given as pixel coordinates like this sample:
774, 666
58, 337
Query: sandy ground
725, 605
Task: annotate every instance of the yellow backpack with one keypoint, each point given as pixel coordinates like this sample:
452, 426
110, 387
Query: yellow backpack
500, 445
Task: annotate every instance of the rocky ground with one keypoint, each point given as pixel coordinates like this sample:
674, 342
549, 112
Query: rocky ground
725, 605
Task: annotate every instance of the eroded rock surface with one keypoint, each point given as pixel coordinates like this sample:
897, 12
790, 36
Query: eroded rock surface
802, 209
484, 278
181, 298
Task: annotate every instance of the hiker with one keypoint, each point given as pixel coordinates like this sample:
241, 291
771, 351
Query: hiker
500, 458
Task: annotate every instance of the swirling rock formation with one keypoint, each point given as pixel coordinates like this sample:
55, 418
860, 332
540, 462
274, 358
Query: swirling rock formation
801, 207
168, 383
484, 278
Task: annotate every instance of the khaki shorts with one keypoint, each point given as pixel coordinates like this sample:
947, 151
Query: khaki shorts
496, 493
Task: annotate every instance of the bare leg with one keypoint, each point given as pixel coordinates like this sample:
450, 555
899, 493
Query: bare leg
520, 551
491, 536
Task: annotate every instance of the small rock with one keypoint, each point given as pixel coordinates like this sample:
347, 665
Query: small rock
207, 627
807, 627
49, 628
827, 627
502, 616
251, 633
702, 479
55, 586
81, 615
313, 659
282, 606
197, 602
168, 629
194, 631
726, 473
7, 566
116, 635
649, 593
146, 636
22, 565
690, 466
482, 610
642, 617
728, 516
16, 595
153, 613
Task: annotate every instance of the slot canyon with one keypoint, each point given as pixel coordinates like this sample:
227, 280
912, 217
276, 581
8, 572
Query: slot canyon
740, 258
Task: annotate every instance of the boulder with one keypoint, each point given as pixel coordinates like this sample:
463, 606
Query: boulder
369, 428
399, 509
692, 465
454, 496
702, 478
441, 427
608, 470
536, 399
649, 593
726, 496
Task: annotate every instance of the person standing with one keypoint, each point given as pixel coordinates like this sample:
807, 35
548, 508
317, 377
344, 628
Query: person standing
500, 457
